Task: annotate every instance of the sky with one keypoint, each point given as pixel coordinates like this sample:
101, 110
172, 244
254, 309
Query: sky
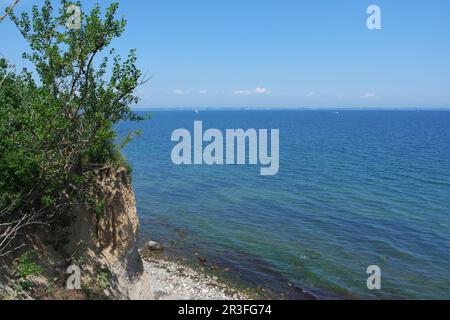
281, 53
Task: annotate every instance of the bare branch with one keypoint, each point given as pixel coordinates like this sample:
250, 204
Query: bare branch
9, 10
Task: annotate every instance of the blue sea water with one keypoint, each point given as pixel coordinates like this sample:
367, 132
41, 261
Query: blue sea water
355, 188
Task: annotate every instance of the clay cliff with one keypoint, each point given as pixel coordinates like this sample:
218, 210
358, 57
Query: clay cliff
102, 245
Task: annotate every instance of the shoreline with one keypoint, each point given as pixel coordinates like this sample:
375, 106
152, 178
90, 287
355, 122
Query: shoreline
166, 279
229, 280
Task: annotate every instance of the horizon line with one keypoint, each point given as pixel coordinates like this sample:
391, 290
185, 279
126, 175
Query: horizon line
184, 108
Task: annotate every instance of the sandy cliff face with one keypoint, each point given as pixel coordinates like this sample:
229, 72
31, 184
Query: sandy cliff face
101, 243
113, 234
116, 230
111, 238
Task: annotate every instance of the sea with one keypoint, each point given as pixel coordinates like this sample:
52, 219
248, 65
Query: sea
355, 188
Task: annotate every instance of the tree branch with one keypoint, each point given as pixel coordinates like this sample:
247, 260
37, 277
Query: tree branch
9, 10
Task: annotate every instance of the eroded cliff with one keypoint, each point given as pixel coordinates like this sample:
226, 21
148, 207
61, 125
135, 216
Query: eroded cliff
101, 244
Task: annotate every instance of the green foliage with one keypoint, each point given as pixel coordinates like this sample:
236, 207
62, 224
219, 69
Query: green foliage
129, 137
57, 121
24, 284
26, 267
104, 277
18, 156
98, 207
81, 260
121, 161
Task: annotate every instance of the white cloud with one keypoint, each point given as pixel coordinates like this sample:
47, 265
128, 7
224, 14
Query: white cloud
257, 90
367, 95
203, 91
261, 90
180, 92
243, 92
310, 94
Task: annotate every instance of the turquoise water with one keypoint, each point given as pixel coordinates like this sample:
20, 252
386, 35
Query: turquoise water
355, 188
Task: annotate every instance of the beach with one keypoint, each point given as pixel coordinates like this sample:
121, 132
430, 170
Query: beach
168, 280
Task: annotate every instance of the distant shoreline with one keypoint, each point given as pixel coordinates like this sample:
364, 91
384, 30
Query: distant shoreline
200, 109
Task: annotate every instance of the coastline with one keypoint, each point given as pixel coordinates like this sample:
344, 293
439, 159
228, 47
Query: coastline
177, 267
165, 279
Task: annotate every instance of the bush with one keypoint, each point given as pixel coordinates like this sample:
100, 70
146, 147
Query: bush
26, 267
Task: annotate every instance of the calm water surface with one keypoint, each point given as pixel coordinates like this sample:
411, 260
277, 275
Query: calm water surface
355, 188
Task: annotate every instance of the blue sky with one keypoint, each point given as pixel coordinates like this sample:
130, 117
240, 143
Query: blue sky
285, 53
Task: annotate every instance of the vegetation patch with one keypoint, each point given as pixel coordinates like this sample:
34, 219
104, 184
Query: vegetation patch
27, 267
57, 121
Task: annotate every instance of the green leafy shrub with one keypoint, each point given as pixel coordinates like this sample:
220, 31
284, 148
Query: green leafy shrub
104, 277
26, 267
